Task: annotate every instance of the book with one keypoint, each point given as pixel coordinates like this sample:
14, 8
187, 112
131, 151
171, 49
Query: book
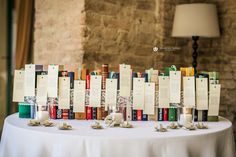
160, 114
139, 115
172, 116
165, 116
65, 113
134, 115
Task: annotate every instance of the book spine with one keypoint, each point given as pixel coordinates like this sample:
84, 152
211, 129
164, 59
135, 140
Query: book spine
53, 111
134, 115
59, 113
105, 75
72, 76
99, 113
71, 114
65, 113
165, 116
139, 115
88, 112
94, 113
160, 114
145, 117
172, 114
204, 115
88, 108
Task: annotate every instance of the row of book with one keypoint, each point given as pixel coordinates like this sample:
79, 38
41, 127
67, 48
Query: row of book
92, 112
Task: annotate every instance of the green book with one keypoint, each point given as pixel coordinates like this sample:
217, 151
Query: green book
24, 110
172, 114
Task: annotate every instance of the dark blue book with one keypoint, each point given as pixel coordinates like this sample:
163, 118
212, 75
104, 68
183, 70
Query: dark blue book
72, 76
160, 114
71, 114
134, 115
94, 113
145, 117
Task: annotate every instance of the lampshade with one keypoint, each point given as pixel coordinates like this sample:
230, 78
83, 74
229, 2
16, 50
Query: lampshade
196, 19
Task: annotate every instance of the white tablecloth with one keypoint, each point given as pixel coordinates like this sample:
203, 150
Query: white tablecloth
20, 140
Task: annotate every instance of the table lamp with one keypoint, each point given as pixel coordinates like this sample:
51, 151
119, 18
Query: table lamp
195, 20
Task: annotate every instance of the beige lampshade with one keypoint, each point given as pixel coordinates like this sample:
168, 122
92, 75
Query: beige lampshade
196, 19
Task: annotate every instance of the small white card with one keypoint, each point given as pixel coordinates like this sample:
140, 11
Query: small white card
164, 91
138, 93
154, 77
189, 91
79, 96
214, 100
202, 93
175, 85
125, 80
18, 87
149, 104
64, 93
41, 95
52, 80
95, 91
29, 80
111, 93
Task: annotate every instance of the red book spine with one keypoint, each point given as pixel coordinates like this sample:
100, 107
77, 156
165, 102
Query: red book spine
88, 112
139, 115
88, 109
65, 113
165, 114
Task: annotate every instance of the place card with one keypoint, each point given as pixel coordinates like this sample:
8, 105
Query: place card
29, 80
64, 93
79, 96
214, 100
149, 101
125, 80
111, 93
138, 93
52, 84
154, 76
18, 87
41, 96
202, 93
175, 85
164, 92
189, 91
95, 91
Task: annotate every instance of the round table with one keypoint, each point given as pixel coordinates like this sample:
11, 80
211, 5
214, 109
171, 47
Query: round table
20, 140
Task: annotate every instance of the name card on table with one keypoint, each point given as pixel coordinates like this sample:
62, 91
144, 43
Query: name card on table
175, 85
154, 76
79, 96
202, 93
149, 104
64, 93
41, 96
95, 91
138, 93
125, 80
214, 100
18, 87
52, 80
29, 80
111, 93
164, 91
189, 91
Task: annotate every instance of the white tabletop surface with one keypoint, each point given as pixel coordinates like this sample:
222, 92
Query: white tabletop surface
19, 139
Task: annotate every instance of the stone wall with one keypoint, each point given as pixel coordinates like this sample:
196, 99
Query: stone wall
125, 31
122, 32
58, 32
